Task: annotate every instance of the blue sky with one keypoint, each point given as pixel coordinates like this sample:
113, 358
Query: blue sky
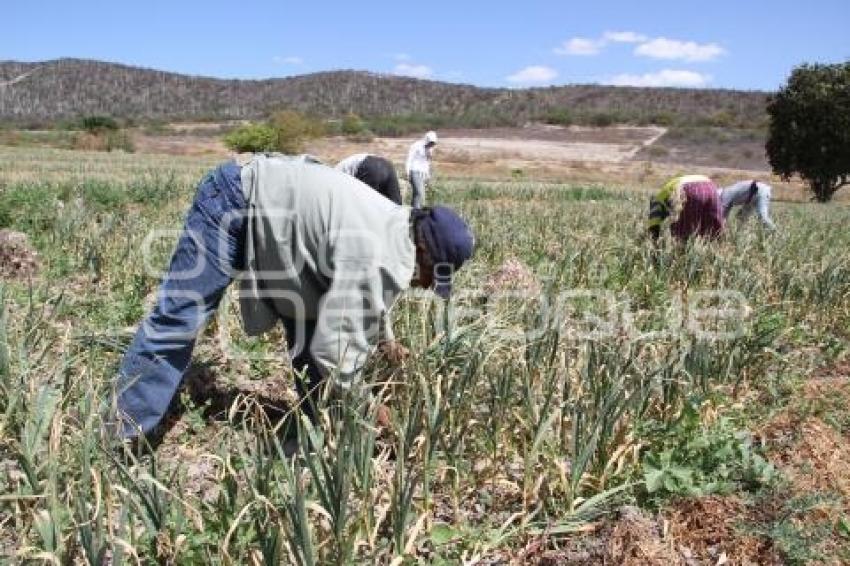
749, 44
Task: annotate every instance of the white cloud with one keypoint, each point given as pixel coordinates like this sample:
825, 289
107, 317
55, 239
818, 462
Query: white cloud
415, 71
535, 74
623, 37
663, 48
580, 46
291, 60
657, 47
667, 77
585, 46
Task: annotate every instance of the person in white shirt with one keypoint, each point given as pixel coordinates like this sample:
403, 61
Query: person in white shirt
752, 196
419, 166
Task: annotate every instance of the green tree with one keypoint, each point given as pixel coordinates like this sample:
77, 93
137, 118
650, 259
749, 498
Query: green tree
603, 119
558, 117
252, 138
352, 124
809, 130
292, 129
99, 124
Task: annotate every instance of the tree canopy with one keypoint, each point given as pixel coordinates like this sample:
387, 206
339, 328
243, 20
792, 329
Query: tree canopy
810, 128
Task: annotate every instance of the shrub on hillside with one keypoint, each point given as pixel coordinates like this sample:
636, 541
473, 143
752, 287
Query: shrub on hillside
355, 129
98, 124
352, 125
403, 124
292, 129
286, 132
658, 119
602, 119
558, 117
251, 138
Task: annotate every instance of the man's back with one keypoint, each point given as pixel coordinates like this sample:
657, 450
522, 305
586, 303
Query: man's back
742, 193
350, 164
308, 225
752, 196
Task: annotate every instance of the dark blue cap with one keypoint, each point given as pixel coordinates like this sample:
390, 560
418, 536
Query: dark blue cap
449, 242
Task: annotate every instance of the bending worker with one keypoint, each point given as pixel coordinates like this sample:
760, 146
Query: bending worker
750, 196
419, 167
692, 205
316, 249
377, 172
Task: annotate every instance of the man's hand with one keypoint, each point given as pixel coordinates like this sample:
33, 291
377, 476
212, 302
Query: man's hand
393, 351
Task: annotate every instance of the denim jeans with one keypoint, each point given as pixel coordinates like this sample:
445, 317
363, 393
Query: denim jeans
209, 254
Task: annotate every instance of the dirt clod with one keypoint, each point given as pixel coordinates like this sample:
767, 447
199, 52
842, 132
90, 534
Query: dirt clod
512, 275
637, 539
804, 443
18, 260
711, 529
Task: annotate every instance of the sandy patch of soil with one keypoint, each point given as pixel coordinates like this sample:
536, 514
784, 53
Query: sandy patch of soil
532, 143
610, 156
631, 135
621, 156
713, 147
491, 149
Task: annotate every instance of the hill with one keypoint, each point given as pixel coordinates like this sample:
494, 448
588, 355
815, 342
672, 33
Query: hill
33, 94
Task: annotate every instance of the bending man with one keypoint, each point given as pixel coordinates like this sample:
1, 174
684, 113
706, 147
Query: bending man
321, 252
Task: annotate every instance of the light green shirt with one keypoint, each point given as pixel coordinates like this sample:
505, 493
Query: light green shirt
322, 246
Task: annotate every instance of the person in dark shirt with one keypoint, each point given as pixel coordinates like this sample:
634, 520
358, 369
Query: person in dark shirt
377, 172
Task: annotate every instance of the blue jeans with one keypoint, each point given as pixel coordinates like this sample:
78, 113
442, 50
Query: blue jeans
209, 254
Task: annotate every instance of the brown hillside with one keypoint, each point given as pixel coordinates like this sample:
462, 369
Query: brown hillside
44, 92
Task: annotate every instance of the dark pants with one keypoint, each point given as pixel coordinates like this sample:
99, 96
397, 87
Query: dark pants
379, 173
209, 254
